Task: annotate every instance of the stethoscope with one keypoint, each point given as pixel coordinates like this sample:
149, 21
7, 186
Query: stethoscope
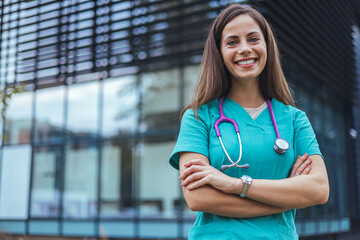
280, 145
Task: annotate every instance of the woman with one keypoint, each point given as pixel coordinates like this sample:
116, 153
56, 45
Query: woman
256, 197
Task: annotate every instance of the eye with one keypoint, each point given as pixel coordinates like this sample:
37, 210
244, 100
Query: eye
231, 43
254, 39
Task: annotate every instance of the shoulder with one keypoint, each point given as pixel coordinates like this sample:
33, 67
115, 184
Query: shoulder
294, 111
205, 112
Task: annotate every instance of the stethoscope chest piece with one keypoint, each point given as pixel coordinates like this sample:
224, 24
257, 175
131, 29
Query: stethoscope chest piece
281, 145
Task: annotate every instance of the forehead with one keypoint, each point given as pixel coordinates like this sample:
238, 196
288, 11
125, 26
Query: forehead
242, 24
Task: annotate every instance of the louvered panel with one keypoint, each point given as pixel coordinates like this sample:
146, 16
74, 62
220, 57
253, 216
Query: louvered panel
97, 39
317, 36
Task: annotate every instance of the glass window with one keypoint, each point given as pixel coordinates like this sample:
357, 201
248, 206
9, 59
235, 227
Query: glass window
335, 158
159, 184
83, 109
1, 125
191, 75
316, 117
18, 119
80, 185
49, 114
117, 180
14, 184
160, 100
45, 182
303, 100
120, 109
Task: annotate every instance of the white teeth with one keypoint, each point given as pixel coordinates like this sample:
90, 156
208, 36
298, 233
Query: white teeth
246, 62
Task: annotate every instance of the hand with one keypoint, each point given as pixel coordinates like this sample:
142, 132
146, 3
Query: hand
302, 166
199, 173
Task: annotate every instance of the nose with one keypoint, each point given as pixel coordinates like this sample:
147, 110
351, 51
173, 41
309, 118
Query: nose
244, 48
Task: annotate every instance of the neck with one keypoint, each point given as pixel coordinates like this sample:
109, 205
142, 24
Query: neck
248, 96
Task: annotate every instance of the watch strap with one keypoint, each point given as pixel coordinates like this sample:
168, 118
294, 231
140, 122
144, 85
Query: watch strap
246, 183
244, 190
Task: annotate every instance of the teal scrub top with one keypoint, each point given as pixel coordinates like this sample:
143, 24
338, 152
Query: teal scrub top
199, 136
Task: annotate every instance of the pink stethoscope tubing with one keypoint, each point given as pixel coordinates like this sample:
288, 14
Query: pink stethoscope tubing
280, 146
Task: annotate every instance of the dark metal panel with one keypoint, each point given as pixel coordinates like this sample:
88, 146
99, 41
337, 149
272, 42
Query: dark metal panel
316, 38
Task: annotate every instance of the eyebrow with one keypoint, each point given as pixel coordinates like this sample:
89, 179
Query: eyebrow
235, 36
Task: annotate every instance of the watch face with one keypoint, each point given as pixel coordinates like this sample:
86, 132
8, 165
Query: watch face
246, 179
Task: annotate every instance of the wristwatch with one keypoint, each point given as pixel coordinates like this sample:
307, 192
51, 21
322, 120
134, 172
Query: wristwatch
247, 180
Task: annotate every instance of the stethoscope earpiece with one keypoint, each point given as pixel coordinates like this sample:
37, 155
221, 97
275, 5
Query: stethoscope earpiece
280, 145
224, 167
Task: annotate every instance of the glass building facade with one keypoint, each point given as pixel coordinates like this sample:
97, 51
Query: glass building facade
84, 151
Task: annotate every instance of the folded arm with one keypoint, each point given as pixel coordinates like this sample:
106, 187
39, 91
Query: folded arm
294, 192
211, 200
299, 192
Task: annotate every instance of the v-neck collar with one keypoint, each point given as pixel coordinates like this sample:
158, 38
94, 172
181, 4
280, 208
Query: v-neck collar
260, 118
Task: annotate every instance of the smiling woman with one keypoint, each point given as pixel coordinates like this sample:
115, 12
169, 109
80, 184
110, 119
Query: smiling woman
243, 48
256, 196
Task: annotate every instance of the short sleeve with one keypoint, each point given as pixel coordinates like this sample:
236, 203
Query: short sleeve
304, 137
193, 137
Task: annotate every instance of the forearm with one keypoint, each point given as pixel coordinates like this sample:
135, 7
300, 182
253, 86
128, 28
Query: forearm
289, 193
208, 199
298, 192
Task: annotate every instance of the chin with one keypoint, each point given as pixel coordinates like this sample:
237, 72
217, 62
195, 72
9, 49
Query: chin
249, 77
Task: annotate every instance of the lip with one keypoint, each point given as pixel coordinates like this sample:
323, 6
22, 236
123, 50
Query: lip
246, 65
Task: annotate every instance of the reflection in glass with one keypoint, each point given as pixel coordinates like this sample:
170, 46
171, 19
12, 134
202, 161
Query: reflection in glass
303, 100
116, 180
316, 117
160, 99
120, 112
83, 109
159, 184
14, 182
1, 125
191, 75
18, 119
49, 114
80, 189
335, 158
45, 182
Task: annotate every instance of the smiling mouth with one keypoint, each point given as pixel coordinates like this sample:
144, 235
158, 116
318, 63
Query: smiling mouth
246, 62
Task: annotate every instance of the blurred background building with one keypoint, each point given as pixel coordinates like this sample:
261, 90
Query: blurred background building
85, 149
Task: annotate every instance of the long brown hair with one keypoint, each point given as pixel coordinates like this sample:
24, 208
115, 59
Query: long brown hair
214, 80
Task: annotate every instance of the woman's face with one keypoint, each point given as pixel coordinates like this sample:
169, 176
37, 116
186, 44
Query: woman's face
243, 49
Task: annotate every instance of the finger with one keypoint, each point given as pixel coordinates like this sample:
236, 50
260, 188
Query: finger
303, 166
306, 170
193, 177
299, 161
195, 162
296, 165
190, 170
197, 184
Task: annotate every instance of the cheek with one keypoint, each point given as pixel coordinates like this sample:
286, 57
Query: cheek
264, 54
227, 58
